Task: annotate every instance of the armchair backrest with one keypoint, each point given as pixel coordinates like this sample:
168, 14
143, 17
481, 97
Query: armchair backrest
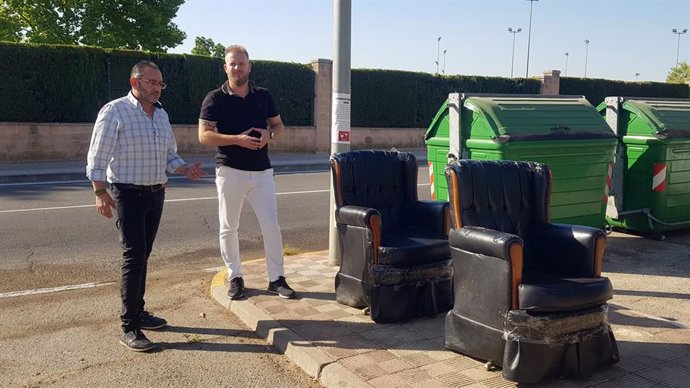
502, 195
383, 180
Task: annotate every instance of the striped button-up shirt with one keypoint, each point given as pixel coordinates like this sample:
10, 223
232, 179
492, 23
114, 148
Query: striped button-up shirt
128, 146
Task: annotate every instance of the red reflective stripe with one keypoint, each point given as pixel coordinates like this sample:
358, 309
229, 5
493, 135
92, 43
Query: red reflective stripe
659, 177
431, 180
608, 183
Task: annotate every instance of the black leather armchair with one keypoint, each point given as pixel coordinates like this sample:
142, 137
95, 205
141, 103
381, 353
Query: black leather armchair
529, 295
393, 248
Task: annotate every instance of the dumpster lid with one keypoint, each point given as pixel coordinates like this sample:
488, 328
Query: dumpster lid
667, 117
537, 117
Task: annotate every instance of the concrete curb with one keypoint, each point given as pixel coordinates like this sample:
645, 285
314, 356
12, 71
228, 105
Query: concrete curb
313, 361
71, 175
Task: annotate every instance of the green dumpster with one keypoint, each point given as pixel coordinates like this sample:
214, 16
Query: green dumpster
564, 132
650, 190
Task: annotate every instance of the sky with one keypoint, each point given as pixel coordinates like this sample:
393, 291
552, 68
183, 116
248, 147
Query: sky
625, 37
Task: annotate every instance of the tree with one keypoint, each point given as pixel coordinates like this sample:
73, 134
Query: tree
130, 24
679, 74
206, 46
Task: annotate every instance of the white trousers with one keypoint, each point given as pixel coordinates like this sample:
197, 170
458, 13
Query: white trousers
258, 187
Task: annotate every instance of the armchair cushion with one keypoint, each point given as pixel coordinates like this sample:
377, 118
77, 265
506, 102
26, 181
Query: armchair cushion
411, 246
544, 292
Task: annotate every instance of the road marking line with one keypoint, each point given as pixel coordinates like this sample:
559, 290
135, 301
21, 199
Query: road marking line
37, 291
167, 200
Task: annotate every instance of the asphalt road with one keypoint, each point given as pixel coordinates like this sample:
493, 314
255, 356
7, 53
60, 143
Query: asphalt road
53, 237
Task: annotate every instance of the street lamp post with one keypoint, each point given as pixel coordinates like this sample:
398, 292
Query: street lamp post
512, 59
438, 52
679, 33
443, 70
529, 35
586, 54
566, 63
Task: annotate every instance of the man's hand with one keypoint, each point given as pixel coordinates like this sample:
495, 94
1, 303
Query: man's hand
247, 141
193, 172
265, 136
104, 204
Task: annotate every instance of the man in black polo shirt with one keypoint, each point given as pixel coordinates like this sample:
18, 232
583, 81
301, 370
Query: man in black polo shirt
240, 119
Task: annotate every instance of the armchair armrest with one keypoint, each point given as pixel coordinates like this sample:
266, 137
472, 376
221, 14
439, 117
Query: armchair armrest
364, 217
430, 215
579, 249
493, 243
355, 215
487, 242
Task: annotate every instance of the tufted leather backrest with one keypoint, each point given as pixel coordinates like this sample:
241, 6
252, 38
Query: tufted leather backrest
502, 195
383, 180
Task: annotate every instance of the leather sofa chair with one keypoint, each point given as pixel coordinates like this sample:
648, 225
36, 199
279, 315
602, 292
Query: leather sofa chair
392, 248
529, 295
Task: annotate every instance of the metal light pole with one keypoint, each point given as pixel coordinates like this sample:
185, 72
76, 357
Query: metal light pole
566, 63
679, 33
637, 77
443, 70
512, 58
586, 53
438, 52
340, 104
529, 35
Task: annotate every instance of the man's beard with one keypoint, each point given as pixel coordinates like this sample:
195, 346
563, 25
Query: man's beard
239, 81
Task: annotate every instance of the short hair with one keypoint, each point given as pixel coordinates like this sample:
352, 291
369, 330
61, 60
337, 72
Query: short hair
138, 69
235, 48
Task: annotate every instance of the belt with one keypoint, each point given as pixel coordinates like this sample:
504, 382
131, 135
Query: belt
129, 186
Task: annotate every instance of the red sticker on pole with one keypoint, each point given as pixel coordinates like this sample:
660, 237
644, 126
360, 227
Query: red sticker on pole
659, 177
344, 136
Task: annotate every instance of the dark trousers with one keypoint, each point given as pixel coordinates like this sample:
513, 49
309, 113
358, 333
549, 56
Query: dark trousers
139, 214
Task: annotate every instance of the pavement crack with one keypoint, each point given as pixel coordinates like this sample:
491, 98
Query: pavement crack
32, 267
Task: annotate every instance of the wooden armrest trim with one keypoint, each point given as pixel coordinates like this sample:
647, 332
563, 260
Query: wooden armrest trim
516, 263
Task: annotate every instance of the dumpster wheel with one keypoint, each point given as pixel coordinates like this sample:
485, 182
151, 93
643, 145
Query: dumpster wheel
608, 228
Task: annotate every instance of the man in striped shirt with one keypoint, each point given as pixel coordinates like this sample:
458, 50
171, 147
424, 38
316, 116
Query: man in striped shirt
132, 146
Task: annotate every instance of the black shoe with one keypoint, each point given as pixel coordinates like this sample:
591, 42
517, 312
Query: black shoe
149, 322
281, 288
136, 341
236, 288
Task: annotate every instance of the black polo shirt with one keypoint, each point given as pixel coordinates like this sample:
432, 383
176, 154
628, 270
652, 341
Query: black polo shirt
235, 115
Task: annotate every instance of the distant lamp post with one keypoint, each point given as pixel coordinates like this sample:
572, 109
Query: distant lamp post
529, 35
443, 70
586, 54
438, 52
566, 63
512, 59
679, 33
637, 77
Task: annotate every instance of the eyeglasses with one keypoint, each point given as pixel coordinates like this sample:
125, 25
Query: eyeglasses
153, 82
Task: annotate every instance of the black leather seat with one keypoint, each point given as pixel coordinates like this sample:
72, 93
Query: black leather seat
393, 248
529, 295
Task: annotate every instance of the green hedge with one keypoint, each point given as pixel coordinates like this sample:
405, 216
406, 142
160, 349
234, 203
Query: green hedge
58, 83
385, 98
595, 90
50, 83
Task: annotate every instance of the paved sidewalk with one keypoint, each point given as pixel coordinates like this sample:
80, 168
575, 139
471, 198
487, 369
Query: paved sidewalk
342, 347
